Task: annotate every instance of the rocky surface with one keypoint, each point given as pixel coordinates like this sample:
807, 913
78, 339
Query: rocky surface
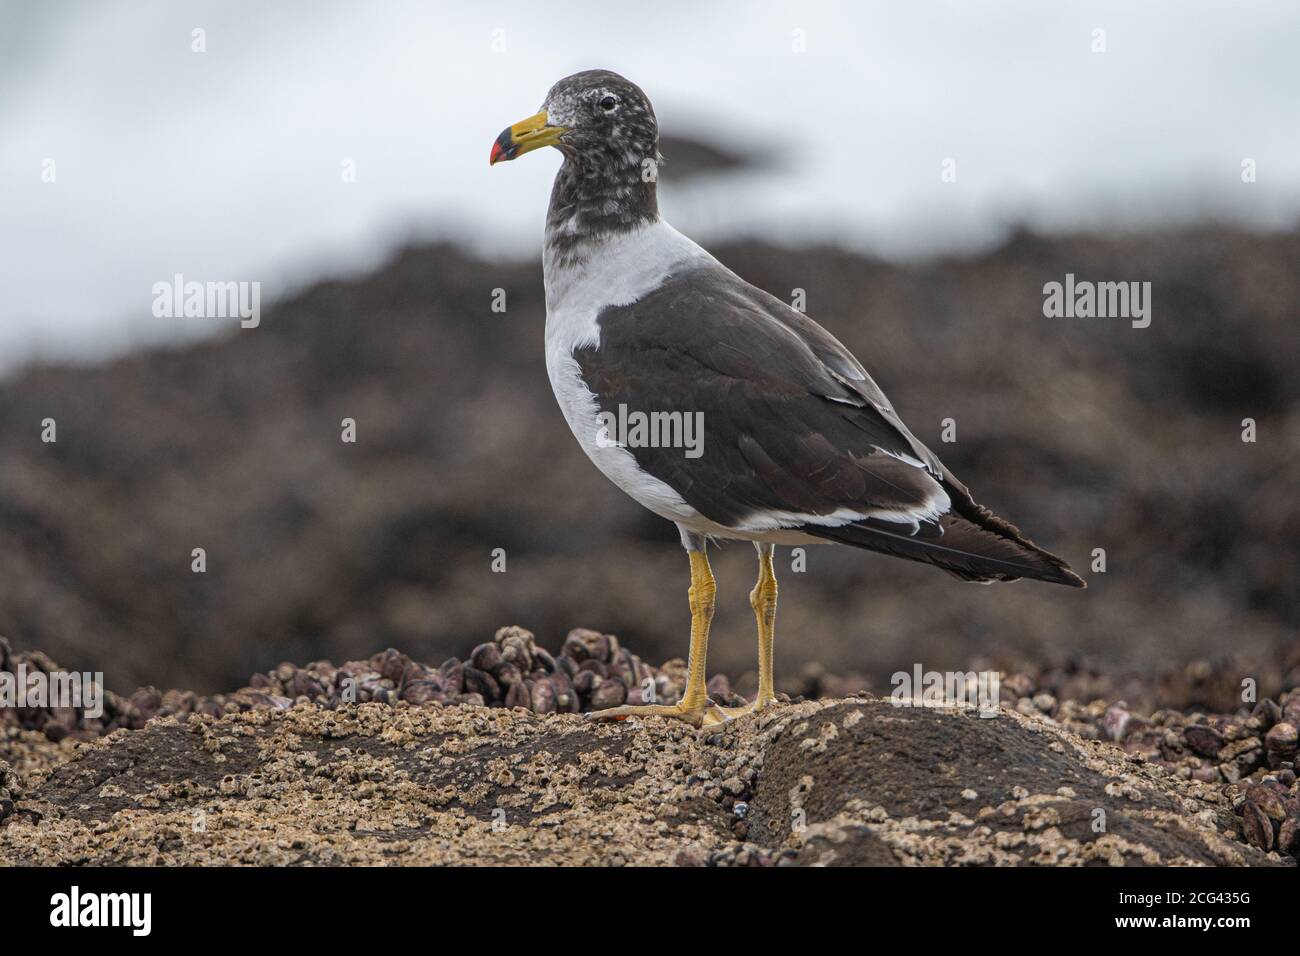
855, 781
393, 761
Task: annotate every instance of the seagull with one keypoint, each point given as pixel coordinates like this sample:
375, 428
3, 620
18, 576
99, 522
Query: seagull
648, 334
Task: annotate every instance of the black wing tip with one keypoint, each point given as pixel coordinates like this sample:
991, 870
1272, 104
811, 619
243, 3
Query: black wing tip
1056, 571
1073, 580
967, 557
1064, 576
1050, 568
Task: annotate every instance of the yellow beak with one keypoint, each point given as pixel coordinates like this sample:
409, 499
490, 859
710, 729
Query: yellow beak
524, 137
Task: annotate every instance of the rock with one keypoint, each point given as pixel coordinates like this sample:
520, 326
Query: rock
583, 644
1288, 836
10, 786
1280, 744
1008, 790
1268, 801
1203, 739
482, 683
1267, 712
1216, 753
611, 693
148, 700
519, 696
1245, 755
55, 732
486, 657
1115, 722
421, 691
543, 696
586, 681
453, 676
507, 674
1257, 826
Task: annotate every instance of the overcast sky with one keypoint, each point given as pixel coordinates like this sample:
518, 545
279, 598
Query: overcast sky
227, 164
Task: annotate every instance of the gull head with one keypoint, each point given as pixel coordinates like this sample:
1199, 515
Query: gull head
596, 118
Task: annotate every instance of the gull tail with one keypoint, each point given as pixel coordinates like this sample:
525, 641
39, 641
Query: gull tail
975, 545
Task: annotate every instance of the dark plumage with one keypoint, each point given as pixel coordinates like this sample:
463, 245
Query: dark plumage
792, 423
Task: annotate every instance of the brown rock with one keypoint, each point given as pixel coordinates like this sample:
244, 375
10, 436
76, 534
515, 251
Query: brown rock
1257, 827
583, 643
610, 693
453, 676
543, 696
482, 683
1267, 712
518, 648
566, 698
518, 695
304, 684
543, 659
1288, 834
595, 667
421, 691
1268, 800
1245, 754
391, 664
148, 700
1115, 722
1280, 744
486, 657
507, 674
1203, 739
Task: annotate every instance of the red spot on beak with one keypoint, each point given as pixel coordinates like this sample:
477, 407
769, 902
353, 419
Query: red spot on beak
496, 154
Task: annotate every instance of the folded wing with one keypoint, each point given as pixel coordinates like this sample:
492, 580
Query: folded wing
795, 432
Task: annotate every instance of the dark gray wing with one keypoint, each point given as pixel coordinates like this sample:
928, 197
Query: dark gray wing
792, 425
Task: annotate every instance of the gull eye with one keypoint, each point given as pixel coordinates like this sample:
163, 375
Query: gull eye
608, 103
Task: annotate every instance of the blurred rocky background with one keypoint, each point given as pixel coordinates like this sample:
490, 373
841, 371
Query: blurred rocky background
1087, 433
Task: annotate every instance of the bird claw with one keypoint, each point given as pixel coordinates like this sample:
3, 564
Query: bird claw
701, 717
708, 716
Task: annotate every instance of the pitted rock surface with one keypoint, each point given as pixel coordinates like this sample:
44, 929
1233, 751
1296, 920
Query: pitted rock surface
856, 781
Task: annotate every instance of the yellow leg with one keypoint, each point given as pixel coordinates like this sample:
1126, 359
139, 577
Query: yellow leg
763, 600
694, 707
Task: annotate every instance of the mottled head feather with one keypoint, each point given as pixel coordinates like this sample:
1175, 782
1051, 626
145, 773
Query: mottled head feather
611, 156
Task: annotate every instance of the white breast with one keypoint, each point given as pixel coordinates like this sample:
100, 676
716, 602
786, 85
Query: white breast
620, 271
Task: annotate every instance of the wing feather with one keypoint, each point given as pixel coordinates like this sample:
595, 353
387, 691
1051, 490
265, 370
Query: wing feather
796, 433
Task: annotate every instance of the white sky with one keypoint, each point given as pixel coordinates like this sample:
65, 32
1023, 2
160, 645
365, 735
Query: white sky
226, 165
